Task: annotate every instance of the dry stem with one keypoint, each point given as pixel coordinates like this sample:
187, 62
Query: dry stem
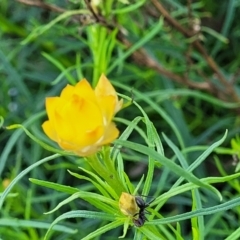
141, 57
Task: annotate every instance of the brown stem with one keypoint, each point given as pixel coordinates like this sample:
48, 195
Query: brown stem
141, 57
228, 87
42, 4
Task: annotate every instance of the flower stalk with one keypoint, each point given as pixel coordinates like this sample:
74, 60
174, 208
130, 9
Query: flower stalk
104, 167
80, 120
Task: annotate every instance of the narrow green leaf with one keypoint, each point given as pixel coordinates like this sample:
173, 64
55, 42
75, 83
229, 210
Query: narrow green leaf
200, 212
168, 163
41, 29
202, 157
7, 222
23, 173
103, 229
80, 214
55, 186
235, 235
60, 67
35, 139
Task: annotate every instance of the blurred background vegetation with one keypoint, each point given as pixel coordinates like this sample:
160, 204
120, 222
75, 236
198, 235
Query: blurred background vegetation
179, 59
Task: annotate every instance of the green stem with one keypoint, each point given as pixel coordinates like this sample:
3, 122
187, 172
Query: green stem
105, 169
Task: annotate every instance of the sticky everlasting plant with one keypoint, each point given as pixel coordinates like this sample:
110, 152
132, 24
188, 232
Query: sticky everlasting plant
80, 121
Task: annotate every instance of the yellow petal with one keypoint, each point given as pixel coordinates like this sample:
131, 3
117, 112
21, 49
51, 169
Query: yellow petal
49, 130
104, 87
51, 105
85, 112
63, 129
88, 147
54, 107
84, 90
111, 133
107, 105
91, 137
67, 92
77, 120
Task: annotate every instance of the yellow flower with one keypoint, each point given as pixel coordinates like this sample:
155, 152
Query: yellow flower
80, 120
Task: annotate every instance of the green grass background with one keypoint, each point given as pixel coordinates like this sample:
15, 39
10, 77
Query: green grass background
42, 50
